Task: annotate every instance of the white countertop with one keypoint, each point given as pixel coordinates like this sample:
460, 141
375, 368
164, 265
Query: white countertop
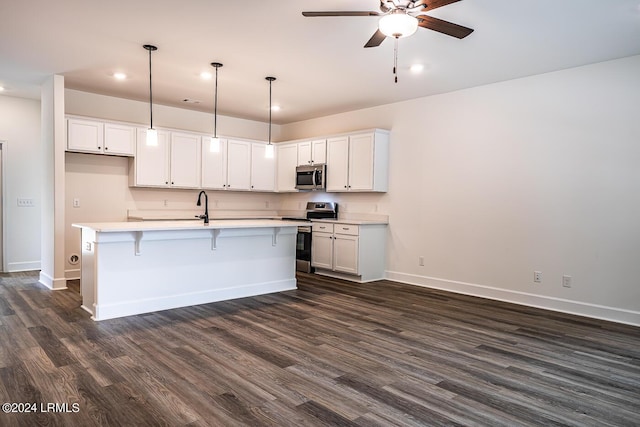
112, 227
353, 221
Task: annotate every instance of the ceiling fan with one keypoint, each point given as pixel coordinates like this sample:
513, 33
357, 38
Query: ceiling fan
402, 18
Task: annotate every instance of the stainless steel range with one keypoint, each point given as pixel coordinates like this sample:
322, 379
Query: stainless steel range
315, 210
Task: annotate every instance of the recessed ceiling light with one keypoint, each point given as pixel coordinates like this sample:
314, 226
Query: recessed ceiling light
416, 68
119, 76
206, 75
275, 108
1, 88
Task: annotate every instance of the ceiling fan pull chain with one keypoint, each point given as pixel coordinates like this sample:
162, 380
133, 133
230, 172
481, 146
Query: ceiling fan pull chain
395, 60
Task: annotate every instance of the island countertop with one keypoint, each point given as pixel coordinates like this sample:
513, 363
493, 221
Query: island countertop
114, 227
130, 268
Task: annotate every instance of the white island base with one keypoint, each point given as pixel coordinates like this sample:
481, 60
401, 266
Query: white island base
133, 268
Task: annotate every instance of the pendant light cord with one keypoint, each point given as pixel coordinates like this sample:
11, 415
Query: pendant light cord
215, 109
150, 93
270, 81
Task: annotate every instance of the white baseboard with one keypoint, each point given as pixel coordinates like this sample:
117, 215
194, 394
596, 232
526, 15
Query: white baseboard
51, 283
147, 305
72, 274
595, 311
14, 267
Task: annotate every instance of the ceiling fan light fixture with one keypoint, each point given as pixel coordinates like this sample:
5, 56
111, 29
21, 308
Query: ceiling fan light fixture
398, 24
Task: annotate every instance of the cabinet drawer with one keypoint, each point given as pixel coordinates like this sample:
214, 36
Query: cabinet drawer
352, 230
322, 227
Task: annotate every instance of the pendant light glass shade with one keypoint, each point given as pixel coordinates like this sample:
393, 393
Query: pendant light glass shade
269, 151
214, 142
152, 137
152, 134
398, 24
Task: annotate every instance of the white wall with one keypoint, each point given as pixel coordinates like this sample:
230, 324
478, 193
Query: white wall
101, 182
20, 128
494, 182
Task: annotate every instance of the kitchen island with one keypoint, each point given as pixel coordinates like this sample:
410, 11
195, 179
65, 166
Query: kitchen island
138, 267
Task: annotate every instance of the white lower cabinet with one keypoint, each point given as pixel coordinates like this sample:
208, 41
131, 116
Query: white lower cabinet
348, 251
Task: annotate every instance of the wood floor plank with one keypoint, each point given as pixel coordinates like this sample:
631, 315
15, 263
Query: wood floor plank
328, 353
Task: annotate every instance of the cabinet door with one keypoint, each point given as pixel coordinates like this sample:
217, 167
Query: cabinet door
185, 160
287, 161
337, 163
238, 165
345, 253
304, 153
361, 152
152, 162
322, 250
214, 166
263, 170
119, 140
319, 151
84, 136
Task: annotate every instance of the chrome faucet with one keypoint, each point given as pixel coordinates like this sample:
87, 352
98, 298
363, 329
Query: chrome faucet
206, 207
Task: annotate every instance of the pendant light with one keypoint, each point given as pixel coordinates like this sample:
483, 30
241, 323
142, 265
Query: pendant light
269, 149
152, 134
214, 145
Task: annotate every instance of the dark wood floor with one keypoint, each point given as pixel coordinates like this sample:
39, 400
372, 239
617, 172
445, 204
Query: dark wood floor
330, 353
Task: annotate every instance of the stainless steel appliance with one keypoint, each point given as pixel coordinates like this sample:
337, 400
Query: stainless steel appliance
312, 177
315, 210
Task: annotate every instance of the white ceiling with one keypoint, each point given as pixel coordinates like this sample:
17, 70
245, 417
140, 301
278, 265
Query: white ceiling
320, 64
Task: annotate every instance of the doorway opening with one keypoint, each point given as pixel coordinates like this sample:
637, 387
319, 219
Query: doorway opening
2, 204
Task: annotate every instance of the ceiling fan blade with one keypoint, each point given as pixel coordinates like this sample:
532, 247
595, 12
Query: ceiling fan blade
375, 40
444, 27
434, 4
339, 13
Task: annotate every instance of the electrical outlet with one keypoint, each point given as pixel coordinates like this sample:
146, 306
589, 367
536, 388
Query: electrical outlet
566, 281
421, 261
25, 203
76, 202
537, 276
165, 202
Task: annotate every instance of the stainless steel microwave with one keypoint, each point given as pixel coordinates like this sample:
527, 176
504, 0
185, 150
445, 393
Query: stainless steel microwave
311, 177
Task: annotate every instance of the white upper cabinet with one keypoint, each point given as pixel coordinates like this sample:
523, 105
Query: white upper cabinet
91, 136
358, 162
214, 166
119, 140
185, 160
174, 162
263, 169
287, 156
151, 165
85, 136
338, 164
238, 165
312, 152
